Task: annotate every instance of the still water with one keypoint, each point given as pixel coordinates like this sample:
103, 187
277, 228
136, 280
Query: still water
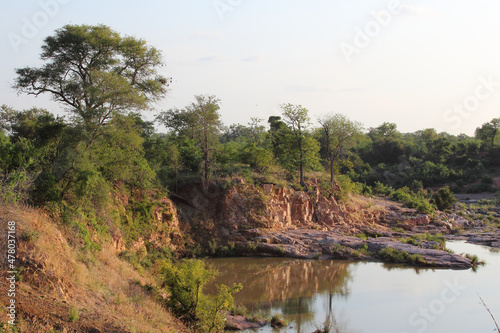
367, 297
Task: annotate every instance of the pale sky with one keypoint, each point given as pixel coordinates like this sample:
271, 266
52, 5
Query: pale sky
419, 64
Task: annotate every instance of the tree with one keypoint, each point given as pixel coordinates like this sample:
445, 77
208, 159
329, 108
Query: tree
297, 119
489, 132
199, 121
97, 73
340, 133
385, 130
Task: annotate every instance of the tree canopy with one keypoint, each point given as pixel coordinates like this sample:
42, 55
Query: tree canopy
96, 73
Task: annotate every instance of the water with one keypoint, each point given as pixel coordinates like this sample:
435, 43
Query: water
368, 297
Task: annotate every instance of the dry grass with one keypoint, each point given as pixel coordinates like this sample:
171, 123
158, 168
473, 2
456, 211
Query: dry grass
99, 285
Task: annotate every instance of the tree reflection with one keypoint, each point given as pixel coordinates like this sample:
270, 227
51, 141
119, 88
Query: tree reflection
288, 286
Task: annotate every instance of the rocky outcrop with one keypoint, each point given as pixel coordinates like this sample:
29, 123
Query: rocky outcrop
307, 244
298, 224
275, 207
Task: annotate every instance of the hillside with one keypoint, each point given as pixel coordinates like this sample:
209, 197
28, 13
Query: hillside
60, 288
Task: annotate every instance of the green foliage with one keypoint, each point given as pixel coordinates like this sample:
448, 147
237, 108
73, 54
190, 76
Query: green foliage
475, 261
400, 256
278, 321
186, 281
73, 315
481, 187
199, 122
239, 310
444, 199
383, 189
413, 200
96, 73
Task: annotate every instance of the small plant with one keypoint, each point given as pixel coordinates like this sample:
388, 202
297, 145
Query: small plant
73, 315
474, 259
317, 255
277, 321
281, 250
252, 246
28, 236
239, 310
398, 229
362, 236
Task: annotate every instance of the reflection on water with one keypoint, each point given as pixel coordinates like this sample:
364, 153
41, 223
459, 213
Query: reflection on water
290, 287
366, 297
268, 281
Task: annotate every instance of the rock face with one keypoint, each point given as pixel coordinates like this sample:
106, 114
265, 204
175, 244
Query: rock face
276, 207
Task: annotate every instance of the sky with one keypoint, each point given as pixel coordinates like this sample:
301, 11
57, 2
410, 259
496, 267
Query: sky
420, 64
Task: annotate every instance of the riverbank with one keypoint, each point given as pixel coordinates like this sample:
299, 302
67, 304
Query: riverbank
268, 220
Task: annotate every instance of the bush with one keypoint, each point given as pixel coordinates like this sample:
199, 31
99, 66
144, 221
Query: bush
487, 180
277, 321
186, 282
380, 188
444, 199
412, 200
479, 188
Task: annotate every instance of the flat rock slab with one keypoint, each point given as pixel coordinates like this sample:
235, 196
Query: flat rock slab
238, 323
308, 244
484, 238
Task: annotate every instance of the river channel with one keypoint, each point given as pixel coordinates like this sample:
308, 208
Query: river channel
366, 296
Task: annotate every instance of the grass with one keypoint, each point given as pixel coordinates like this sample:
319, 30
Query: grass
277, 321
239, 310
417, 240
73, 315
398, 229
475, 261
100, 274
400, 256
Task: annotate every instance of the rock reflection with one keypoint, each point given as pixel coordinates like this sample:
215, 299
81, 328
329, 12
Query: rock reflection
283, 284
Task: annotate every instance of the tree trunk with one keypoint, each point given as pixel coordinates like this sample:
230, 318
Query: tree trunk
206, 155
301, 164
332, 172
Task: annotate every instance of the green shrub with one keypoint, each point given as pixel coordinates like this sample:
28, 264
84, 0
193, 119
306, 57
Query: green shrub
487, 180
412, 200
239, 310
186, 282
444, 199
479, 188
73, 315
380, 188
277, 321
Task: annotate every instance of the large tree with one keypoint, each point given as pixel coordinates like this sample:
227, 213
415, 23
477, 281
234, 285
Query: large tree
339, 133
96, 73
